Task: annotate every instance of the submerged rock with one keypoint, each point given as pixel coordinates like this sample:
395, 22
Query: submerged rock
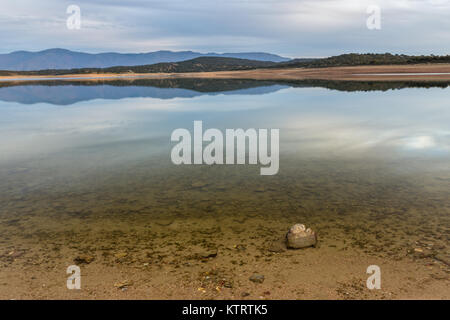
123, 284
203, 253
299, 237
120, 255
198, 184
257, 278
443, 258
208, 253
15, 254
84, 259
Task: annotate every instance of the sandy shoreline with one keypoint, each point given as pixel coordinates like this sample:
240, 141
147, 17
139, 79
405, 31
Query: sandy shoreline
422, 72
148, 244
221, 270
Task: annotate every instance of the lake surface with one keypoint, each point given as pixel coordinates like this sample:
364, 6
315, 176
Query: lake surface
85, 169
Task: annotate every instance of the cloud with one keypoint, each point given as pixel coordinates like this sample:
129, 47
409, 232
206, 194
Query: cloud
290, 27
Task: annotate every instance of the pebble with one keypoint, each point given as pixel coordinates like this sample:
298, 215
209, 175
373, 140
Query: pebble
15, 254
443, 258
84, 259
198, 184
277, 246
257, 278
422, 253
120, 255
212, 253
123, 284
206, 253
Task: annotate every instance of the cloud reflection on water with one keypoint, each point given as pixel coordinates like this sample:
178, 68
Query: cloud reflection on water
312, 122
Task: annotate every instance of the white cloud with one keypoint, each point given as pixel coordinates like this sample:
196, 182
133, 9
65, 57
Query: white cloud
291, 27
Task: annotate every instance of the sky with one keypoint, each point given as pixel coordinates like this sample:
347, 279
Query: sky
292, 28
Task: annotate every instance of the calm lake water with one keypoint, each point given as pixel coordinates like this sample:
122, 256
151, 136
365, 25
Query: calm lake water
88, 164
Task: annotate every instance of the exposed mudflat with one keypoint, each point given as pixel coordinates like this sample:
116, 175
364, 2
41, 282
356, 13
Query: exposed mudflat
419, 72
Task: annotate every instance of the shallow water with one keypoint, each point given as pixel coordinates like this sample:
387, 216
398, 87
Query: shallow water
86, 168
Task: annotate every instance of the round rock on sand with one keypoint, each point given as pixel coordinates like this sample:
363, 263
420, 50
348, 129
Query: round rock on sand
299, 237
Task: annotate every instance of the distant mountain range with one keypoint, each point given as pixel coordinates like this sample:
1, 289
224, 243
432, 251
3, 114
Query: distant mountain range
66, 59
202, 64
63, 62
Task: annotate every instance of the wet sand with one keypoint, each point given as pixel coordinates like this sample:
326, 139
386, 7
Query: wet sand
421, 72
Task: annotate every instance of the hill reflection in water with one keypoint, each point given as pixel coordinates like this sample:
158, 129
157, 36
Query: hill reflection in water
49, 91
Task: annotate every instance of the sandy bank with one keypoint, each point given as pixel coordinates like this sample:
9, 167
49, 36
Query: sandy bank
422, 72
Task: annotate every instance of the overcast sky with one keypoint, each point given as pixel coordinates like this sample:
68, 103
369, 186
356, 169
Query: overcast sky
293, 28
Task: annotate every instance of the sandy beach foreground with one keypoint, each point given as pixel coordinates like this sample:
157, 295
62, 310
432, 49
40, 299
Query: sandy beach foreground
422, 72
173, 236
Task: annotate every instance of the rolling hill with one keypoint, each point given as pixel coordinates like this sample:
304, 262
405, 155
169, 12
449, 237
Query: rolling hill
211, 64
66, 59
366, 59
202, 64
